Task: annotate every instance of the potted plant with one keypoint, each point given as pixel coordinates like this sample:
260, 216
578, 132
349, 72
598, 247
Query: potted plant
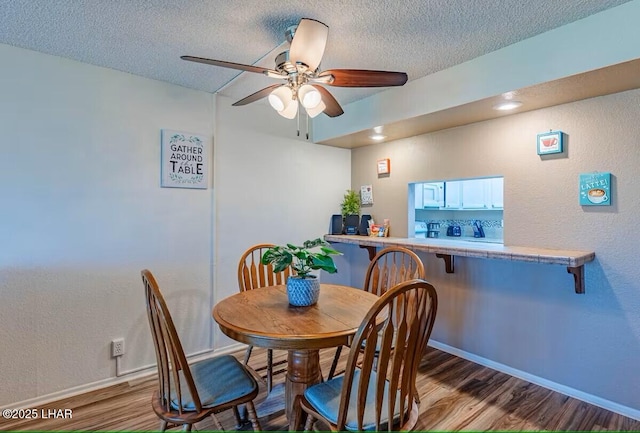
350, 208
303, 289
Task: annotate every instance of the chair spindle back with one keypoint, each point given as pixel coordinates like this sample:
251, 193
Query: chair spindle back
172, 362
393, 337
253, 274
392, 266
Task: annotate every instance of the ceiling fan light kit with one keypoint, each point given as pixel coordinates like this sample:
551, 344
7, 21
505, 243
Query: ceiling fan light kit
299, 66
291, 110
309, 97
313, 112
282, 100
279, 98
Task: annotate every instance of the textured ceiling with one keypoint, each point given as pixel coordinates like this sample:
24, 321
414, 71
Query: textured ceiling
147, 37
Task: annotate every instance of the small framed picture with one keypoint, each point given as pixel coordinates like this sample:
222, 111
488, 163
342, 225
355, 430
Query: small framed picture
366, 195
384, 166
184, 160
550, 142
595, 189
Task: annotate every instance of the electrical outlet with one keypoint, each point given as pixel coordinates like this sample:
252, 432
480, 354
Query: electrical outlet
117, 347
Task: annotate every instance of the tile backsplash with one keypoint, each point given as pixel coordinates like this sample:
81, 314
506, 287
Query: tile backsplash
492, 228
491, 221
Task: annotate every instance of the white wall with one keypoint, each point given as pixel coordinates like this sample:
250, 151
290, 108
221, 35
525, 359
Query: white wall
527, 316
270, 188
82, 213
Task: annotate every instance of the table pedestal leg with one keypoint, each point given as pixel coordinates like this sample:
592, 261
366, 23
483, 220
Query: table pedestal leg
303, 370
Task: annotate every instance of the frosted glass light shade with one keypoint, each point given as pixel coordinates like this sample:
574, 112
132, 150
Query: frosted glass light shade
290, 111
313, 112
280, 98
309, 96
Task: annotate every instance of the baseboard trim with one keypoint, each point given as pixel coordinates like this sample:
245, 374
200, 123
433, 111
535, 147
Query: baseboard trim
545, 383
134, 374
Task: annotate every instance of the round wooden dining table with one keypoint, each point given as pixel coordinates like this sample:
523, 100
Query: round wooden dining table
263, 317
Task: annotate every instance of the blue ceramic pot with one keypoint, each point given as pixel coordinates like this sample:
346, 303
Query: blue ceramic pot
303, 292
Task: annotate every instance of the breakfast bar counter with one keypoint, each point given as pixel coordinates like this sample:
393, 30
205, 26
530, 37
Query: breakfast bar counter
446, 249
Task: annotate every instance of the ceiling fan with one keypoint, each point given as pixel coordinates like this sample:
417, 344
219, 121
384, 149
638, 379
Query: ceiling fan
299, 66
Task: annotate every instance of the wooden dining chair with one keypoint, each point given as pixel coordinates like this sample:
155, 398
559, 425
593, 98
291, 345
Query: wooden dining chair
189, 393
252, 274
378, 395
388, 267
391, 266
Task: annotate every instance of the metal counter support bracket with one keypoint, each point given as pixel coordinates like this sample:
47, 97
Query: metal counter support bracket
578, 277
371, 249
448, 262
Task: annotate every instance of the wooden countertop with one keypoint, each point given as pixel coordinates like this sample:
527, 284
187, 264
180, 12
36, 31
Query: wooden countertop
473, 249
446, 249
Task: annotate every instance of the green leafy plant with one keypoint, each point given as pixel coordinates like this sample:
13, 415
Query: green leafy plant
350, 203
302, 259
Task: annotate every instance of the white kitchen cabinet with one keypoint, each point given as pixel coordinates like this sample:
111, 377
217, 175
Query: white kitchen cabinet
453, 194
476, 194
497, 193
480, 194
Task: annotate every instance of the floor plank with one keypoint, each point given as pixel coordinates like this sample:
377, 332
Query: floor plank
455, 395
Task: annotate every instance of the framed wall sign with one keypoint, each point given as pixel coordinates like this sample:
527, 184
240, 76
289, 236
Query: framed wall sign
384, 166
595, 189
550, 142
185, 160
366, 194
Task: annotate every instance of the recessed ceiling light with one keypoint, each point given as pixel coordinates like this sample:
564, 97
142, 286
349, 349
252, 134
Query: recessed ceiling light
377, 137
507, 105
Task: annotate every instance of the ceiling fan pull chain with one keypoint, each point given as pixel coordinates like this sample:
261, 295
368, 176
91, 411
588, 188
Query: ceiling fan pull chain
307, 126
298, 120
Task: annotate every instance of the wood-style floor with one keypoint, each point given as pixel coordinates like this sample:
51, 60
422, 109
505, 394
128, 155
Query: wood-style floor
455, 395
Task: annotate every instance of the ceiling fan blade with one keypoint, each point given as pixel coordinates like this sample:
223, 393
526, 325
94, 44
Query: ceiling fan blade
309, 42
364, 78
255, 96
240, 66
333, 107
